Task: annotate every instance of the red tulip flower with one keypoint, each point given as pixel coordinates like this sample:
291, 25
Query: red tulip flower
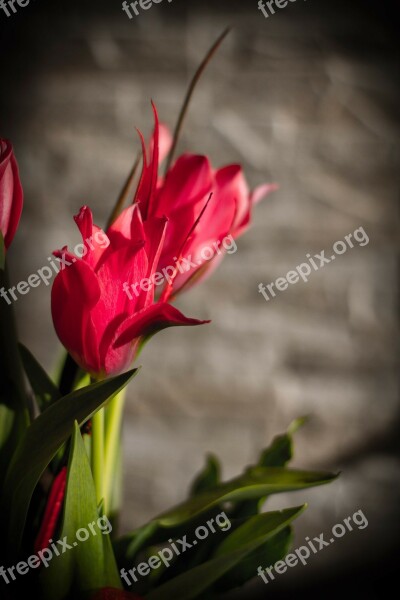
97, 322
52, 512
206, 209
11, 195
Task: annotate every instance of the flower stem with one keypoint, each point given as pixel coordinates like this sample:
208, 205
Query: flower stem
98, 453
114, 414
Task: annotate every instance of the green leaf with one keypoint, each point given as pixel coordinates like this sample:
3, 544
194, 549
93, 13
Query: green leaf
40, 444
281, 450
90, 564
256, 483
245, 540
46, 392
274, 549
278, 454
196, 556
245, 493
209, 477
128, 547
250, 528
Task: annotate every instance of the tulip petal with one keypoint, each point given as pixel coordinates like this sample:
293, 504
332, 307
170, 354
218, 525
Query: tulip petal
232, 188
187, 182
5, 155
74, 294
148, 180
17, 204
188, 280
125, 265
84, 221
151, 320
164, 144
255, 197
6, 199
94, 239
91, 348
155, 234
11, 194
127, 228
155, 237
262, 191
180, 224
114, 359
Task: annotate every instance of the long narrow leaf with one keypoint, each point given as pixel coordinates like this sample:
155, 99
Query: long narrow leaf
46, 392
255, 483
40, 444
243, 542
89, 564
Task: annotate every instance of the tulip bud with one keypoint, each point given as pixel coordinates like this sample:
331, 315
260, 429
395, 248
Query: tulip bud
11, 195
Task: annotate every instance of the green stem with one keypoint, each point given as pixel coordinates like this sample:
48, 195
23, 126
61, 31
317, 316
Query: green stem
98, 453
114, 415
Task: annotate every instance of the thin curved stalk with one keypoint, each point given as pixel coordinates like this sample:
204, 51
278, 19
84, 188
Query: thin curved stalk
189, 95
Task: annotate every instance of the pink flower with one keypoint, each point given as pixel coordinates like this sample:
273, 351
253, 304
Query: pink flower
97, 322
206, 209
11, 195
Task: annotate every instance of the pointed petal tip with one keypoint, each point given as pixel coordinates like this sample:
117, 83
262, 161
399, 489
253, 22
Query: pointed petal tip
83, 209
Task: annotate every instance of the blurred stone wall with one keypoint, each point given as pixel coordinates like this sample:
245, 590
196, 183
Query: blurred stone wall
306, 98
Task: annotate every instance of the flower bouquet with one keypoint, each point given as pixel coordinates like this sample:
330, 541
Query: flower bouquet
60, 437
